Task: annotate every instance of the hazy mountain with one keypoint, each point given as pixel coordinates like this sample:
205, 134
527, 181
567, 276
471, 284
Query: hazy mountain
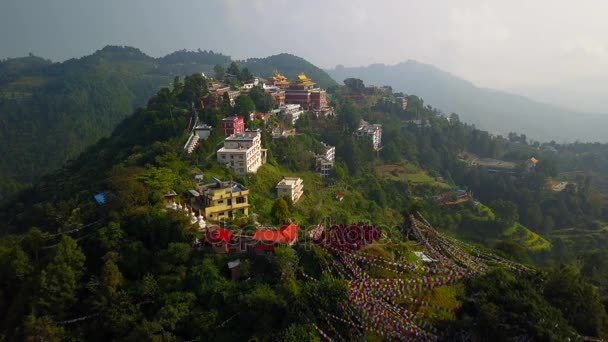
581, 94
496, 111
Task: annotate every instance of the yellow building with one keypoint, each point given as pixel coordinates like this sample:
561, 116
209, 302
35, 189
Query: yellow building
223, 200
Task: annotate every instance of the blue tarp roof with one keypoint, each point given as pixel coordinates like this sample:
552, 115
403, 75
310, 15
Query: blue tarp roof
100, 198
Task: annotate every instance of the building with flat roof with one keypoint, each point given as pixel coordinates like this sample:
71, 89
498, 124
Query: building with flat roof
370, 131
291, 112
243, 152
291, 187
233, 125
325, 161
222, 200
202, 131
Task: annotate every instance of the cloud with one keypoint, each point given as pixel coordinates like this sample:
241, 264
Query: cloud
477, 25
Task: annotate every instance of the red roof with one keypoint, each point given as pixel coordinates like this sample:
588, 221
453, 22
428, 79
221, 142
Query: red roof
285, 234
218, 235
258, 115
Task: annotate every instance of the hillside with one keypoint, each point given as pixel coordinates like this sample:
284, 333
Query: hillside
290, 66
495, 111
50, 112
137, 266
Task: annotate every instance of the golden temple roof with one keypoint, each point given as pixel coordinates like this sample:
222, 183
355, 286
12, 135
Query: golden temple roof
302, 80
277, 78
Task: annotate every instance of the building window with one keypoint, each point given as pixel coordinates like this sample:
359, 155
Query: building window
220, 202
240, 200
229, 201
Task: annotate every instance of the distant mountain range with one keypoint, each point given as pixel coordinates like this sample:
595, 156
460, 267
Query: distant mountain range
50, 112
496, 111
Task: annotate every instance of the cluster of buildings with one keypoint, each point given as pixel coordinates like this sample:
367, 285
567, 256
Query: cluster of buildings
216, 92
262, 240
219, 201
370, 131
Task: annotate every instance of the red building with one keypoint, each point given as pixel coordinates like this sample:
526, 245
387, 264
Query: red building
267, 240
219, 239
233, 125
302, 92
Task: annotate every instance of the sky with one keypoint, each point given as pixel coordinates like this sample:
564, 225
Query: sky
498, 44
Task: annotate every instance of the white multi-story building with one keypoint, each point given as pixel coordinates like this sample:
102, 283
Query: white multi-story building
202, 131
373, 131
243, 152
325, 161
291, 112
292, 187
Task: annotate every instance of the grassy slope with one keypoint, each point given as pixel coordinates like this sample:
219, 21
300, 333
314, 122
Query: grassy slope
527, 238
409, 173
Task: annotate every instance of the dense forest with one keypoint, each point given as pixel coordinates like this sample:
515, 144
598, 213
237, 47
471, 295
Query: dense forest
51, 112
75, 269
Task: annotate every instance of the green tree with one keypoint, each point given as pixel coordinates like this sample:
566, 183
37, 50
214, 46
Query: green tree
286, 261
219, 73
111, 277
178, 86
299, 332
355, 85
506, 212
579, 302
195, 87
348, 115
499, 306
226, 105
111, 236
42, 329
59, 281
234, 70
262, 100
243, 106
245, 76
34, 240
280, 211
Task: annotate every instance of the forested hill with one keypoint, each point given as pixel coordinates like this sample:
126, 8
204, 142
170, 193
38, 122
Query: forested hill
290, 66
130, 267
495, 111
50, 112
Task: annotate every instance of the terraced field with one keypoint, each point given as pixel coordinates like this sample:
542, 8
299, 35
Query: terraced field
527, 238
409, 173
